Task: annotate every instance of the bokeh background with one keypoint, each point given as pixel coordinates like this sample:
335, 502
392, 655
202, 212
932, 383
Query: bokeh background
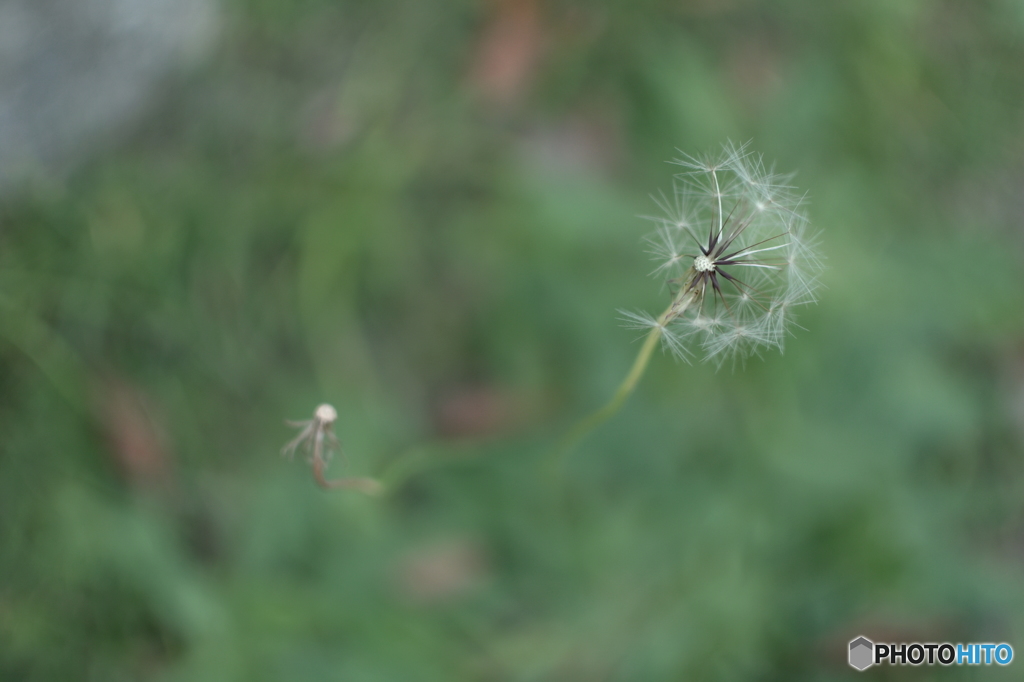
216, 216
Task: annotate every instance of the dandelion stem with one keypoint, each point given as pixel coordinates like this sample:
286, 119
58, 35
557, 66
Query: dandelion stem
368, 486
583, 427
422, 458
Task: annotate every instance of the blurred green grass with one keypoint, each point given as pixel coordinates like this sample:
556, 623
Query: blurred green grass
427, 216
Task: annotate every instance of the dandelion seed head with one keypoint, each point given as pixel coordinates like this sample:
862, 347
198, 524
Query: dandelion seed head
316, 436
733, 243
703, 264
326, 413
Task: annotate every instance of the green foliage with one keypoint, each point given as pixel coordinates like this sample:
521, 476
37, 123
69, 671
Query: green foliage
347, 205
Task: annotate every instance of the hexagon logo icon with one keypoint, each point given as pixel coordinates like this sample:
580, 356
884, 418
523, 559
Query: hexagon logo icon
862, 653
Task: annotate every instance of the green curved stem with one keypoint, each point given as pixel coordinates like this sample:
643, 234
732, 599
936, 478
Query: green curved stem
583, 427
417, 460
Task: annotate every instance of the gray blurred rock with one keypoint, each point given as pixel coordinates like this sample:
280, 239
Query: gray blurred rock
75, 72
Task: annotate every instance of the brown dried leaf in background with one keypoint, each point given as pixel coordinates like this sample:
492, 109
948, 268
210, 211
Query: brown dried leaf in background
479, 412
508, 53
138, 445
443, 570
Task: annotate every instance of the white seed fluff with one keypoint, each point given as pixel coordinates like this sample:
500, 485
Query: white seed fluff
733, 242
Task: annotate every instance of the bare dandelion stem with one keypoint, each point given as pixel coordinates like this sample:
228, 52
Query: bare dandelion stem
369, 486
423, 458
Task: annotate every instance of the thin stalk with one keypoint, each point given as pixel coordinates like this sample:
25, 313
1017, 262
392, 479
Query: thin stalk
368, 486
418, 459
583, 427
